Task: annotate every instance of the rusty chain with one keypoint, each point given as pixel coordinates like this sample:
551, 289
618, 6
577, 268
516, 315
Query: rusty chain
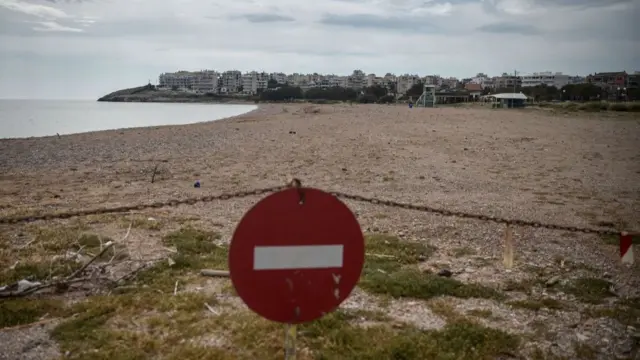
139, 207
464, 215
256, 192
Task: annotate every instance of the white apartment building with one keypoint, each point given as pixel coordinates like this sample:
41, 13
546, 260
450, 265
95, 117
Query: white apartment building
253, 81
179, 79
546, 78
482, 80
280, 78
435, 80
406, 82
451, 82
200, 81
206, 81
231, 81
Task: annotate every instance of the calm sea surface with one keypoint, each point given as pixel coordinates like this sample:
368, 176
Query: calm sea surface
26, 118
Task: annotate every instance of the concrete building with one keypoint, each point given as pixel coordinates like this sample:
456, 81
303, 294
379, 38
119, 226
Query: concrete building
609, 80
406, 82
198, 81
482, 80
254, 82
280, 78
545, 78
231, 81
506, 81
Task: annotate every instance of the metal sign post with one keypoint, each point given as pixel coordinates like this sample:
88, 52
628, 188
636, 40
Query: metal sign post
291, 333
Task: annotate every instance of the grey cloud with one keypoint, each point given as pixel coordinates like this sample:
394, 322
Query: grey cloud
581, 3
267, 18
509, 28
366, 21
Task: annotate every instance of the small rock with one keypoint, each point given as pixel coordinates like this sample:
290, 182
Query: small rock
469, 270
582, 337
445, 273
422, 258
554, 280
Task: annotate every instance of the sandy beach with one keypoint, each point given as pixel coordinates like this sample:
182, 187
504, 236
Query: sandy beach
576, 169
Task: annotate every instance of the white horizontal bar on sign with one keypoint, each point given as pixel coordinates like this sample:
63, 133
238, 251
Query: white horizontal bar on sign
297, 257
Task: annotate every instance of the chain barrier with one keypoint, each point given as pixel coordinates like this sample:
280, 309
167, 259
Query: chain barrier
139, 207
257, 192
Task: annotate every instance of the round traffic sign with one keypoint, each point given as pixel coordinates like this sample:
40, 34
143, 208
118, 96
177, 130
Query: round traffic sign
293, 261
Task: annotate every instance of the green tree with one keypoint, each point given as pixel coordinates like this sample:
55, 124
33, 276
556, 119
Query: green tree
335, 93
272, 84
283, 93
415, 90
376, 90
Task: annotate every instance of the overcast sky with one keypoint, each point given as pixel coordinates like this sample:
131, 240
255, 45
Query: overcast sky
85, 48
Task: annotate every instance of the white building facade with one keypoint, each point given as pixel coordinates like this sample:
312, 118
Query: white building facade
546, 78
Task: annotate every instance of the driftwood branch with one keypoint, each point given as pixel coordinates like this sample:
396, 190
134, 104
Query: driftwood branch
214, 273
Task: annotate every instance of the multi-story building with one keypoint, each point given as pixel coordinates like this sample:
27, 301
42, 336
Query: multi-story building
254, 82
206, 81
280, 78
435, 80
482, 80
200, 81
609, 80
450, 83
633, 80
230, 81
577, 79
406, 82
180, 79
506, 81
545, 78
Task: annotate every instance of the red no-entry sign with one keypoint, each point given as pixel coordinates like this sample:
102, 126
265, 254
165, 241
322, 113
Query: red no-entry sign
292, 262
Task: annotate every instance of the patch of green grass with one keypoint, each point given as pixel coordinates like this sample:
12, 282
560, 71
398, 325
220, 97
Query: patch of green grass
415, 284
536, 305
38, 271
44, 257
196, 250
589, 290
395, 252
481, 313
625, 311
191, 241
391, 270
15, 312
615, 240
334, 337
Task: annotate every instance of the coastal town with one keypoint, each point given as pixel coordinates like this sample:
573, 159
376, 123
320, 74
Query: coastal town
617, 83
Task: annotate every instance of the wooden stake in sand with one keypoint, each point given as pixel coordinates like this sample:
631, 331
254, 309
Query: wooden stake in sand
508, 248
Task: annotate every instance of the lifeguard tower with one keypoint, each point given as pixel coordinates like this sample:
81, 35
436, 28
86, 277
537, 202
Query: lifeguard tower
428, 97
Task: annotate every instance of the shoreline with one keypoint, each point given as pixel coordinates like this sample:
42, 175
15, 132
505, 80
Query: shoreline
137, 128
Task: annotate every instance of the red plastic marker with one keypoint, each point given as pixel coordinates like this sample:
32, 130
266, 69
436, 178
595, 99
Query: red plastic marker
626, 248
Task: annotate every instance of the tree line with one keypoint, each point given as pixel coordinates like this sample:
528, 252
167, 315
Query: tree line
285, 92
381, 94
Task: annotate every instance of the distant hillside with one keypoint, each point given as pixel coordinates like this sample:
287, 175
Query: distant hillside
150, 93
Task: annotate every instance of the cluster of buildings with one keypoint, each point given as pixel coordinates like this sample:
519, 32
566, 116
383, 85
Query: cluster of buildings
250, 83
